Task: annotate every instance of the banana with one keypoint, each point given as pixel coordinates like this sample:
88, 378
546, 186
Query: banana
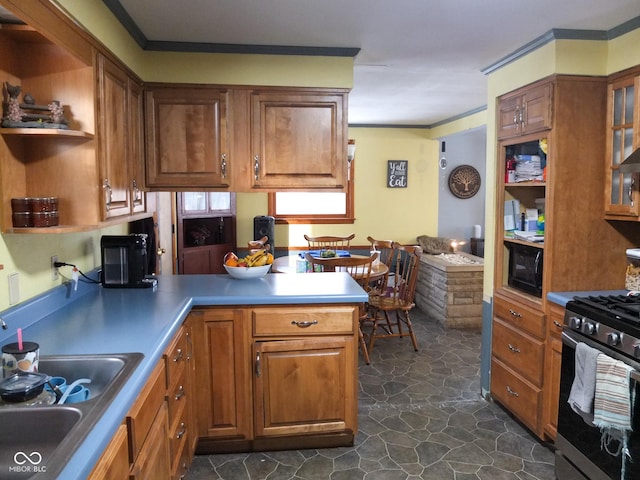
261, 260
257, 259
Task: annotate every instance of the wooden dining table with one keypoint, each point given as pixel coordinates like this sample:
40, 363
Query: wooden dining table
289, 264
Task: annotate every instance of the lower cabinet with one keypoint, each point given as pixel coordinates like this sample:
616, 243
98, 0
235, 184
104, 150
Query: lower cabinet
552, 362
114, 463
517, 360
277, 377
157, 439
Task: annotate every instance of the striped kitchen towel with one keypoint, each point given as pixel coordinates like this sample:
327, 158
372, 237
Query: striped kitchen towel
612, 400
612, 407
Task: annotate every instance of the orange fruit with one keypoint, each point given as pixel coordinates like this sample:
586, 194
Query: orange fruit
231, 262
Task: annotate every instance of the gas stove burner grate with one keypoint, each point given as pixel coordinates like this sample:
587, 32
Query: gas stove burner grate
622, 307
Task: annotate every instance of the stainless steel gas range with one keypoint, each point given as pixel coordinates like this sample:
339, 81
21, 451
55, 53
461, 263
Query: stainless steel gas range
610, 324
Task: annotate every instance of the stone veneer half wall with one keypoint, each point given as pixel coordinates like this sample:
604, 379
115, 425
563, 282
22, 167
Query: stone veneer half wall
449, 289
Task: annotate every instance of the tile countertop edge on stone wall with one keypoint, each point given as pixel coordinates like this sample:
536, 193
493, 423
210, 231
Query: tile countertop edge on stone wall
105, 320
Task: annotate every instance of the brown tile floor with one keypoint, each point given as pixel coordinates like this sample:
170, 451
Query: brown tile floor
421, 416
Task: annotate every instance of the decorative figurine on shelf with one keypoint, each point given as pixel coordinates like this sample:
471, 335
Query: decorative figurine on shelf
57, 114
11, 107
28, 114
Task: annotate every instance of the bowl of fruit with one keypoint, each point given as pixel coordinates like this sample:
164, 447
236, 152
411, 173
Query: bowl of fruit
254, 265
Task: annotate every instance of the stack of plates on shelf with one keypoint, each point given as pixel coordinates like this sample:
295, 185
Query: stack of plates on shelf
528, 168
528, 236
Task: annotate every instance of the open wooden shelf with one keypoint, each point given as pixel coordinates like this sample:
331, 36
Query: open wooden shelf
54, 132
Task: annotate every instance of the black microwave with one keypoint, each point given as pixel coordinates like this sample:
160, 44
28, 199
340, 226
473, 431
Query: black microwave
525, 268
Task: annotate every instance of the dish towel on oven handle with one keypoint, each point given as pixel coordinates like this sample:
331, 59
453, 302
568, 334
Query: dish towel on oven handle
584, 382
613, 404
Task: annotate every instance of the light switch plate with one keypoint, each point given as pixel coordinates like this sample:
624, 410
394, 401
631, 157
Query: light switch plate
14, 288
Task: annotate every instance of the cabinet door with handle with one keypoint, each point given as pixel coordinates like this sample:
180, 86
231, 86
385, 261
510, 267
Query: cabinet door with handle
113, 125
298, 139
304, 386
186, 137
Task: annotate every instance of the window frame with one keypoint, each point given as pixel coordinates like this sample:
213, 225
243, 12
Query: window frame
347, 217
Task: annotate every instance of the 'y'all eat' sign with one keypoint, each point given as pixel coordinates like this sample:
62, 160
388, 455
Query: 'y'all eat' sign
397, 173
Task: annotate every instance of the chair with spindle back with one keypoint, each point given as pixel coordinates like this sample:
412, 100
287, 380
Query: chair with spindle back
398, 299
359, 268
329, 242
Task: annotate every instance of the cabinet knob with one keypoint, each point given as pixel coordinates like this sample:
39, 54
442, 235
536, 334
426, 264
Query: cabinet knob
161, 251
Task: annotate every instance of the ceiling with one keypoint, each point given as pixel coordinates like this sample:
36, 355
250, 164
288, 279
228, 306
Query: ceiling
418, 62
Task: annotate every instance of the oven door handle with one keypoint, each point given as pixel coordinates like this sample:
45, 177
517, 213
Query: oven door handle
571, 340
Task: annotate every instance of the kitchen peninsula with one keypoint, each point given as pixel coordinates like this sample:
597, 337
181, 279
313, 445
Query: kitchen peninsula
212, 318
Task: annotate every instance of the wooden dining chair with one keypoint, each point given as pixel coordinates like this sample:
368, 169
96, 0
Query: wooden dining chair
390, 309
359, 268
386, 252
329, 242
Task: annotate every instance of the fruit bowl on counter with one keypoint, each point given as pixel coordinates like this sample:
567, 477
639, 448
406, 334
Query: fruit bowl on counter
247, 272
254, 265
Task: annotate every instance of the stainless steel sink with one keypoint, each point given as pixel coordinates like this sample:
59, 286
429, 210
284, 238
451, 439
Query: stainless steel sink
39, 440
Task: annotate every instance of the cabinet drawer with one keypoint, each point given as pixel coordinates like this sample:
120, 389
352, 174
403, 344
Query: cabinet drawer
142, 414
518, 396
178, 436
519, 316
304, 321
177, 396
521, 352
176, 357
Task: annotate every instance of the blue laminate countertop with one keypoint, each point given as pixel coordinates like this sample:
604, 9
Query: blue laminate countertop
561, 298
115, 320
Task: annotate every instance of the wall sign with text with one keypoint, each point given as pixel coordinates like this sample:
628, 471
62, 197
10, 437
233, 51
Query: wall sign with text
397, 173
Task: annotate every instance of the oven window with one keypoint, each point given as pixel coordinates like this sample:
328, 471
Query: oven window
586, 438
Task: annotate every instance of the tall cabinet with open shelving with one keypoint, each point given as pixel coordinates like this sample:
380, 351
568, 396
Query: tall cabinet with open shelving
50, 58
577, 238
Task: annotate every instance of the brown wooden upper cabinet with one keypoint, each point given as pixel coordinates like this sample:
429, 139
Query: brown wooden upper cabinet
298, 139
525, 111
187, 137
119, 140
245, 139
622, 194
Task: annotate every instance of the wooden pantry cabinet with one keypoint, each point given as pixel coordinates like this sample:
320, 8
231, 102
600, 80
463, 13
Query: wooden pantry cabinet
51, 59
276, 377
572, 189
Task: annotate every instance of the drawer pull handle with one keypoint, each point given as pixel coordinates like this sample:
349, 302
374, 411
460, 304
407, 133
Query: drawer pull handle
557, 324
183, 430
179, 355
180, 393
515, 314
511, 392
513, 349
258, 364
304, 324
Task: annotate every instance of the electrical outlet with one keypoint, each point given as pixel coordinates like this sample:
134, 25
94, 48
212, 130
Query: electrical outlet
54, 270
14, 288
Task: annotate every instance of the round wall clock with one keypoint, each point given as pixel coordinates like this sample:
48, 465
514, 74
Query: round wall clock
464, 181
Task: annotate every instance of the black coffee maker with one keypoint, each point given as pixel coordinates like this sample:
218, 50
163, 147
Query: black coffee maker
125, 262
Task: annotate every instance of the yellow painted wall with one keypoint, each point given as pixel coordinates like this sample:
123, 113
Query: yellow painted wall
397, 213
